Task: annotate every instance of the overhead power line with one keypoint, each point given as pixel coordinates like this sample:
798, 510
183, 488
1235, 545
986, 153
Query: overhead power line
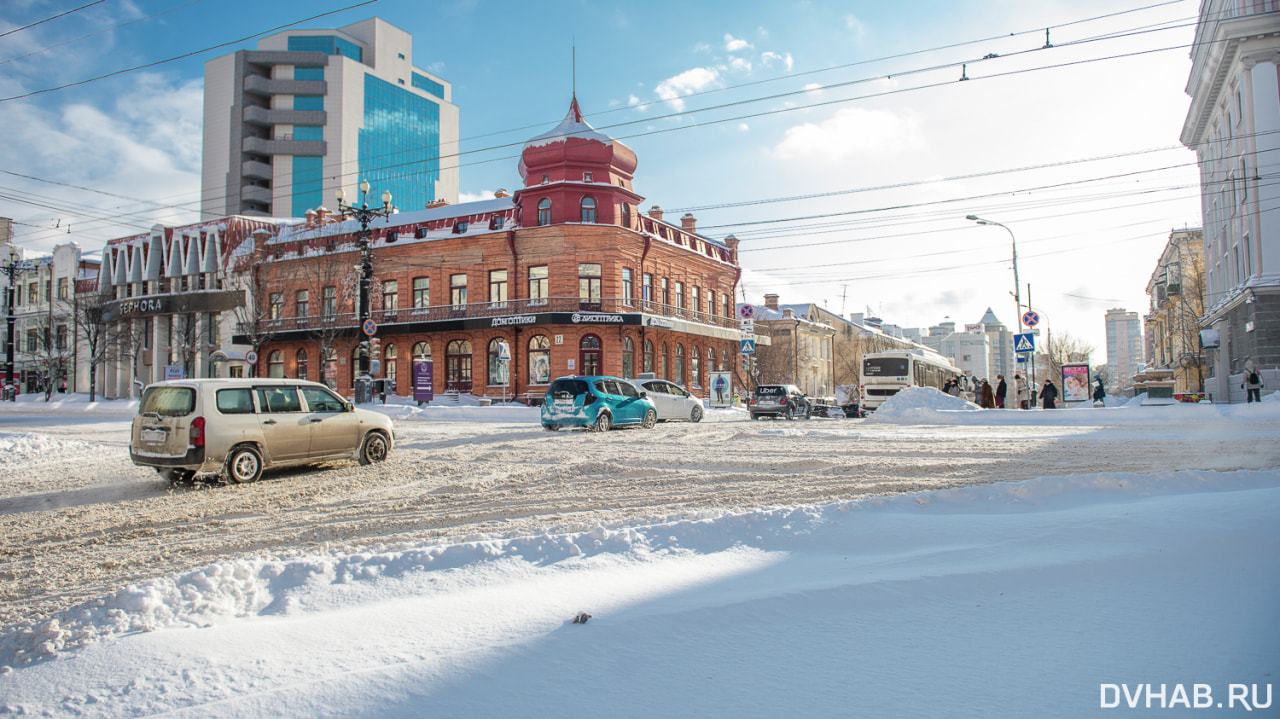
54, 17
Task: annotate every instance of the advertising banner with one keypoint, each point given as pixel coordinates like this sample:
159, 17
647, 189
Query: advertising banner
1075, 383
422, 381
721, 388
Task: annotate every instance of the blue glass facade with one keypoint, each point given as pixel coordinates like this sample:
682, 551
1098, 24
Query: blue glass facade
308, 73
308, 175
308, 102
308, 132
422, 82
327, 44
400, 143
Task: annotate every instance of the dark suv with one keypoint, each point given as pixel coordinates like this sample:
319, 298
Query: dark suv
779, 400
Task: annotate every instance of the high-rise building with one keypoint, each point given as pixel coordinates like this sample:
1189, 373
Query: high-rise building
1124, 349
313, 110
1233, 125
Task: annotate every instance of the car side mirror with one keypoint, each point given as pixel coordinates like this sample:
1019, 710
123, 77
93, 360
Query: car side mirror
348, 407
644, 395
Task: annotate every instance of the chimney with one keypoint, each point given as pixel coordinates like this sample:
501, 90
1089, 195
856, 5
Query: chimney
437, 203
687, 222
311, 218
771, 301
501, 193
655, 212
788, 313
732, 243
321, 213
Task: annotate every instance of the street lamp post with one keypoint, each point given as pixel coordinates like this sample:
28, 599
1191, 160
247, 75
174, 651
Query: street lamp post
364, 215
1017, 296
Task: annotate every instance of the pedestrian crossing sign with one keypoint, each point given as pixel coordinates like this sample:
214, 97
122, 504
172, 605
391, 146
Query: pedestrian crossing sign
748, 347
1024, 343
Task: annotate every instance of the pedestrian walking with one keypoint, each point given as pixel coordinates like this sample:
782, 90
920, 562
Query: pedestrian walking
1002, 391
1023, 391
1252, 384
1049, 395
988, 397
954, 391
1100, 392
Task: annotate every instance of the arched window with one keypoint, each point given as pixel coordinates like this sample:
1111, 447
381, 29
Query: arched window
544, 211
648, 356
724, 360
498, 375
589, 355
457, 356
301, 358
679, 373
589, 209
626, 215
331, 368
389, 364
664, 361
275, 364
422, 351
628, 358
539, 359
695, 379
711, 364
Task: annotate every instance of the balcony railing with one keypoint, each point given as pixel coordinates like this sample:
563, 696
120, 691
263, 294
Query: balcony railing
476, 310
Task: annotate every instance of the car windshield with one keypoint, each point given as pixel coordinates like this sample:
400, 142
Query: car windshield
771, 391
568, 388
168, 401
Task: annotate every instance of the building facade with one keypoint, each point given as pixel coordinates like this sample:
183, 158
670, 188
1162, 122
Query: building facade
501, 296
47, 319
312, 110
1125, 342
801, 349
1233, 125
1176, 290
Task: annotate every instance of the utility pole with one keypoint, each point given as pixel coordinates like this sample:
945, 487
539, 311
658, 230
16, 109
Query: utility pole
363, 214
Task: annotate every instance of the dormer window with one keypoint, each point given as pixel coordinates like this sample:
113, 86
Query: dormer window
495, 222
544, 212
589, 210
546, 179
586, 177
459, 227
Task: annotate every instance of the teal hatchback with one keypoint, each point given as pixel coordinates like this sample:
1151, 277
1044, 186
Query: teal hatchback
597, 403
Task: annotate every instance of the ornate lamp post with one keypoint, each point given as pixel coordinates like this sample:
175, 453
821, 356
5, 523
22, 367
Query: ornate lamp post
364, 215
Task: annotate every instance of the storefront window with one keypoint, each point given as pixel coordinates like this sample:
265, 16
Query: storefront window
539, 359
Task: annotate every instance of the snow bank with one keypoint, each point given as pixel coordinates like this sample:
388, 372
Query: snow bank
222, 592
915, 405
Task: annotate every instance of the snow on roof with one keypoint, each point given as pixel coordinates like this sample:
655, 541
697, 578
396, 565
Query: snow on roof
573, 125
399, 219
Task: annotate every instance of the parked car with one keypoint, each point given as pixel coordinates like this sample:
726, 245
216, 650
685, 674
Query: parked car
597, 403
779, 400
672, 400
238, 427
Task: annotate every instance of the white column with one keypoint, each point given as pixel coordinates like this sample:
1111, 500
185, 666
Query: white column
1265, 83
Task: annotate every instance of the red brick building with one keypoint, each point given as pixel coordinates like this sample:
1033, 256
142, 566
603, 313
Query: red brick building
568, 274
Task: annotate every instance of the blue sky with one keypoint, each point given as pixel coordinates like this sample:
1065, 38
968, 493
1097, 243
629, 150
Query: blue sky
857, 108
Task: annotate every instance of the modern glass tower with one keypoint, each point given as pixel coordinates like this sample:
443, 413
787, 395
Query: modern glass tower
313, 110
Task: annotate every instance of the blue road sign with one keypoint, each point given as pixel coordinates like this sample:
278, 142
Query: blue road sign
748, 347
1031, 318
1024, 343
370, 327
746, 312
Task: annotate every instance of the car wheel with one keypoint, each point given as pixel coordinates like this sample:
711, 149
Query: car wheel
650, 419
791, 414
551, 427
696, 414
603, 422
374, 449
244, 464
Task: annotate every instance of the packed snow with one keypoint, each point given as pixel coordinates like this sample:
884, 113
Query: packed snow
934, 560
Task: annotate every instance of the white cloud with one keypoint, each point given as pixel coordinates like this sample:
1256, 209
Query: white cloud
813, 88
436, 68
702, 47
734, 44
475, 196
851, 132
632, 100
686, 83
744, 127
769, 58
763, 32
852, 22
739, 64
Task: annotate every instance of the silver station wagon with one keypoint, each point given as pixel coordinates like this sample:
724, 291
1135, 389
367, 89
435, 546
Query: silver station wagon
238, 427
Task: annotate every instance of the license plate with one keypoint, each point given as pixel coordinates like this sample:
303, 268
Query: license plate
153, 436
564, 403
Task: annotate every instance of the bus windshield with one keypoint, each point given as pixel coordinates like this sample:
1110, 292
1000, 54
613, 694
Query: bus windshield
885, 367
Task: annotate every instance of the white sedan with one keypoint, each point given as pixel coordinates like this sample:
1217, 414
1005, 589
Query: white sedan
672, 401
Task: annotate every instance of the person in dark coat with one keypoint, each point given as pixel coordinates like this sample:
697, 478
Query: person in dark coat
988, 398
1002, 391
1100, 392
1049, 395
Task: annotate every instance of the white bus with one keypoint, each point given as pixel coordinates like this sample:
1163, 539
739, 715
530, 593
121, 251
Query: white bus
884, 374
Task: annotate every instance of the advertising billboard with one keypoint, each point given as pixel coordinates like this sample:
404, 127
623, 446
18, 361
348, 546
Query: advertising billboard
1075, 383
422, 381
